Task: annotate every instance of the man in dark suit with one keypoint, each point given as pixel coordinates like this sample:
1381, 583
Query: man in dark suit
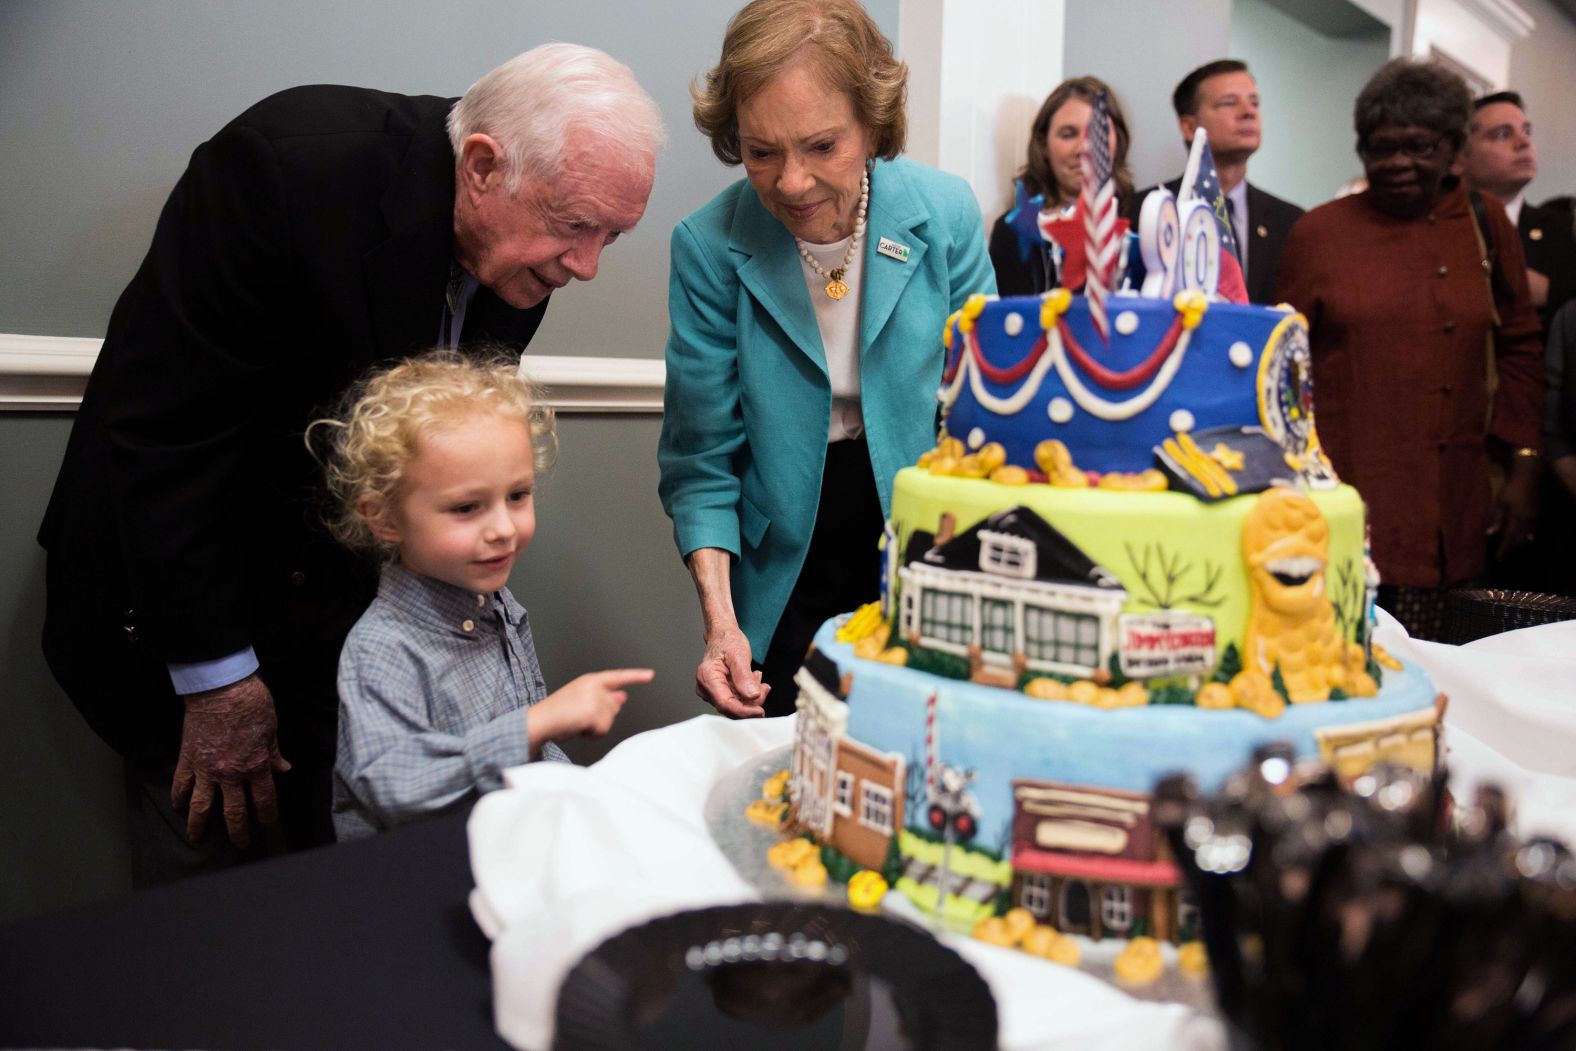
1499, 159
1223, 98
196, 606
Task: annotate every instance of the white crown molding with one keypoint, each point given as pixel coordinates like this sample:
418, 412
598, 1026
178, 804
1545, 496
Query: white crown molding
48, 373
1505, 17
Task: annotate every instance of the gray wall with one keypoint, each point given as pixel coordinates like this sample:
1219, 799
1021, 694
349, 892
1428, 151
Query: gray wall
1543, 69
1307, 80
1142, 48
1307, 84
103, 103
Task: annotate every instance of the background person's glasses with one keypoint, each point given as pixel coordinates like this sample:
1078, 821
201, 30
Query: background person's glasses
1419, 149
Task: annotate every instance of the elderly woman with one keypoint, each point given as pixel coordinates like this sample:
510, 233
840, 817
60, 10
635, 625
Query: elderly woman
1406, 321
806, 304
1053, 172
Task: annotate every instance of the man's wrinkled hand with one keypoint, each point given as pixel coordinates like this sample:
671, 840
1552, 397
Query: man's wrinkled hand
725, 679
229, 747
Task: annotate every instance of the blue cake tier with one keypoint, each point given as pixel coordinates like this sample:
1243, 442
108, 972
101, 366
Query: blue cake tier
1111, 403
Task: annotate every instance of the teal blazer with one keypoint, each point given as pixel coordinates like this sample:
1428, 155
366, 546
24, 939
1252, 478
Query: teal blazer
748, 401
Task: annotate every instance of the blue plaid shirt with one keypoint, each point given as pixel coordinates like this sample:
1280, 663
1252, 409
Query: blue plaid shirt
433, 684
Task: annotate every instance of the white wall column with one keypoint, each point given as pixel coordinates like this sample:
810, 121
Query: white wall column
977, 72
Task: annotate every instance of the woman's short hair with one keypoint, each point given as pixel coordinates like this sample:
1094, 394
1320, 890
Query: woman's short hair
1411, 93
532, 103
1036, 173
367, 445
840, 39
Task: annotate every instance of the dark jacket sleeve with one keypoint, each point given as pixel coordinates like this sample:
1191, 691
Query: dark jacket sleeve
1517, 418
1015, 275
195, 347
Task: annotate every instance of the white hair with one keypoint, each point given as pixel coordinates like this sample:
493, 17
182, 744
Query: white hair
534, 102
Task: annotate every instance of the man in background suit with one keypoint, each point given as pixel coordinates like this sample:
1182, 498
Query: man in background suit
196, 605
1223, 98
1499, 159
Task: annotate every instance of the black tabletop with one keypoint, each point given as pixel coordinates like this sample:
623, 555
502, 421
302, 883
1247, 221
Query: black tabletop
363, 944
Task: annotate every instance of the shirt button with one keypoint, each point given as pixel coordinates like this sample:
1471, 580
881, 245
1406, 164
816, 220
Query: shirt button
1442, 446
470, 625
1450, 326
1447, 388
298, 578
1443, 271
1431, 219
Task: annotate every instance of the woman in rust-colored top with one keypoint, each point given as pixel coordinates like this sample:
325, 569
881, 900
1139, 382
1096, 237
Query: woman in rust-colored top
1405, 320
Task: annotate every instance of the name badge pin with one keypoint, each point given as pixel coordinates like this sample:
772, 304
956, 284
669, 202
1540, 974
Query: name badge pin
892, 249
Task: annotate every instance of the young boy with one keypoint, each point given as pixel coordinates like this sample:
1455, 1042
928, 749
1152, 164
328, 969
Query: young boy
434, 467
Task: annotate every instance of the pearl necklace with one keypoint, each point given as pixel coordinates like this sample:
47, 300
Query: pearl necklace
835, 286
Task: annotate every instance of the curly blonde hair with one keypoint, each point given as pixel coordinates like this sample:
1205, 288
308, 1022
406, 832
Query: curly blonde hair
842, 41
369, 443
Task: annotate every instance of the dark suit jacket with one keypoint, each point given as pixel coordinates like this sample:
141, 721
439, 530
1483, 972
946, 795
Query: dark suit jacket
307, 240
1269, 221
1550, 247
1016, 275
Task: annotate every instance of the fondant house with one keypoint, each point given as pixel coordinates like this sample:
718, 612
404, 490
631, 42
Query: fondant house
848, 795
1090, 861
1410, 740
1011, 593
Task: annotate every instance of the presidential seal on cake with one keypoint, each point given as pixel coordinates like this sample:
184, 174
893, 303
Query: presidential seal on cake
1127, 557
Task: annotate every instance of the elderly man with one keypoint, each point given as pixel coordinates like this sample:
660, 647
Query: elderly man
1499, 159
196, 607
1223, 98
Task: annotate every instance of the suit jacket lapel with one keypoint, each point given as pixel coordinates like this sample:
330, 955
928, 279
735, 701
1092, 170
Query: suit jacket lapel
773, 274
896, 214
407, 273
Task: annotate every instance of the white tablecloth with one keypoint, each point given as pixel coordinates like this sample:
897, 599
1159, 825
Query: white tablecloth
566, 857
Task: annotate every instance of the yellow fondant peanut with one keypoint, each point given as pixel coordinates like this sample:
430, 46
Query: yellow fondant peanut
1140, 963
1384, 658
1050, 944
1010, 475
865, 890
774, 787
943, 465
1215, 695
992, 455
1046, 689
1362, 685
1255, 692
1084, 692
993, 931
1052, 457
765, 812
972, 467
1192, 960
790, 853
809, 874
1019, 922
1132, 695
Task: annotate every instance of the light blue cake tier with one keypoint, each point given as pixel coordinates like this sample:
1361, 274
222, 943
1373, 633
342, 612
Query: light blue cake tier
1002, 734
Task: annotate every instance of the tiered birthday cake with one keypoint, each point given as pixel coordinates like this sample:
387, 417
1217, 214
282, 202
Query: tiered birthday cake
1127, 557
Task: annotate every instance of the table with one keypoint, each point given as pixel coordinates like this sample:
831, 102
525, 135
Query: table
376, 943
360, 945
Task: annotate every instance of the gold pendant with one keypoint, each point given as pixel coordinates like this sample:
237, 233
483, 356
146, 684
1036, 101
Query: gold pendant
836, 289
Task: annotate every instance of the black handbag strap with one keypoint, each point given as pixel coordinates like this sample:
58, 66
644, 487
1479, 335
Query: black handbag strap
1498, 284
